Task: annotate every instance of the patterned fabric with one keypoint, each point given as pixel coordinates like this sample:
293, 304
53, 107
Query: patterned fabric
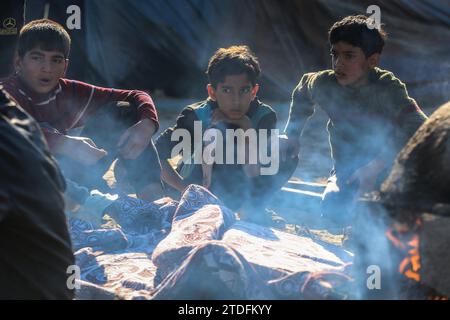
141, 217
213, 271
194, 249
276, 254
253, 262
198, 219
307, 285
115, 262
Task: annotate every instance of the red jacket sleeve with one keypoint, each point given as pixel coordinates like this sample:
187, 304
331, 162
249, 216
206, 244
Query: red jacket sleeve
90, 98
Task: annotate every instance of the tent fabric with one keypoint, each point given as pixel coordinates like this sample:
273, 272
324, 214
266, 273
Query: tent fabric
162, 45
176, 38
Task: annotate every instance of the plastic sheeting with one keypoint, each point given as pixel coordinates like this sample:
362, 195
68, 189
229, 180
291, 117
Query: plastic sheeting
166, 44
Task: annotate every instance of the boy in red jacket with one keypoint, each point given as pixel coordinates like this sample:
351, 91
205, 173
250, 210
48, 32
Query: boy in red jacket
117, 123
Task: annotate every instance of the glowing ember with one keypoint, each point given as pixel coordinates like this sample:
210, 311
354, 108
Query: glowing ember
407, 239
411, 264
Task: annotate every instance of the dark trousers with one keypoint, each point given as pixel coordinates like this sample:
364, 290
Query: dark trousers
105, 129
233, 187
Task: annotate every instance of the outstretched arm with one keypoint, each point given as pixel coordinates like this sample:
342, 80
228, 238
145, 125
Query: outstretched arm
165, 145
301, 108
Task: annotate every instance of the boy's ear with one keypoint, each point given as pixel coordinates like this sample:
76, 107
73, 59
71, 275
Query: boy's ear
255, 90
17, 63
66, 65
211, 92
374, 60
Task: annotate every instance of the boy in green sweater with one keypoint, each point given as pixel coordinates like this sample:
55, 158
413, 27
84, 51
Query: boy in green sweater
371, 115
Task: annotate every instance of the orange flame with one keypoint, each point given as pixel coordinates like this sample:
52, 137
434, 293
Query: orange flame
412, 261
410, 265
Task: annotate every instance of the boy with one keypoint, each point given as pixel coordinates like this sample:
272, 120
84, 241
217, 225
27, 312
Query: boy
231, 104
370, 113
35, 247
118, 123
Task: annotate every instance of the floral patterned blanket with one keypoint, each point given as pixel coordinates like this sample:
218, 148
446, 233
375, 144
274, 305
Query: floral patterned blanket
195, 248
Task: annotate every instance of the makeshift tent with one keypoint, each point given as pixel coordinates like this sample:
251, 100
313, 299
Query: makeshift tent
165, 44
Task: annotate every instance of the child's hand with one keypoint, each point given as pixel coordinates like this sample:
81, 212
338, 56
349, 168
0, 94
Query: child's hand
243, 123
82, 150
136, 138
367, 176
218, 116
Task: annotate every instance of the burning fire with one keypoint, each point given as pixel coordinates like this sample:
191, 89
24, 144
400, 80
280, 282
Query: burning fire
407, 239
410, 265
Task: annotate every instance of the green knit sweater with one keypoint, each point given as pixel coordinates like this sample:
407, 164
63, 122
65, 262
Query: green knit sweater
373, 120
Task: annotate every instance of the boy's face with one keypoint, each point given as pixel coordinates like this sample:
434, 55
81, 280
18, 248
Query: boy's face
41, 70
234, 95
350, 64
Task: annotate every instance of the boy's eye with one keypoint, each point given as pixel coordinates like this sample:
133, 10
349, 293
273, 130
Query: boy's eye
245, 90
58, 60
226, 90
36, 58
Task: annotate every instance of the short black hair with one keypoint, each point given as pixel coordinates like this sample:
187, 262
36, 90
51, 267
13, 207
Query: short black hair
45, 34
233, 61
355, 31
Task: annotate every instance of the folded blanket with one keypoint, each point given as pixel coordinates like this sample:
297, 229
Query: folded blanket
195, 249
140, 217
276, 254
199, 218
213, 270
254, 262
118, 259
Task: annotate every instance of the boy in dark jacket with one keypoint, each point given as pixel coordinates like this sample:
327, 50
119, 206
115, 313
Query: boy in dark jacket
35, 247
231, 104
